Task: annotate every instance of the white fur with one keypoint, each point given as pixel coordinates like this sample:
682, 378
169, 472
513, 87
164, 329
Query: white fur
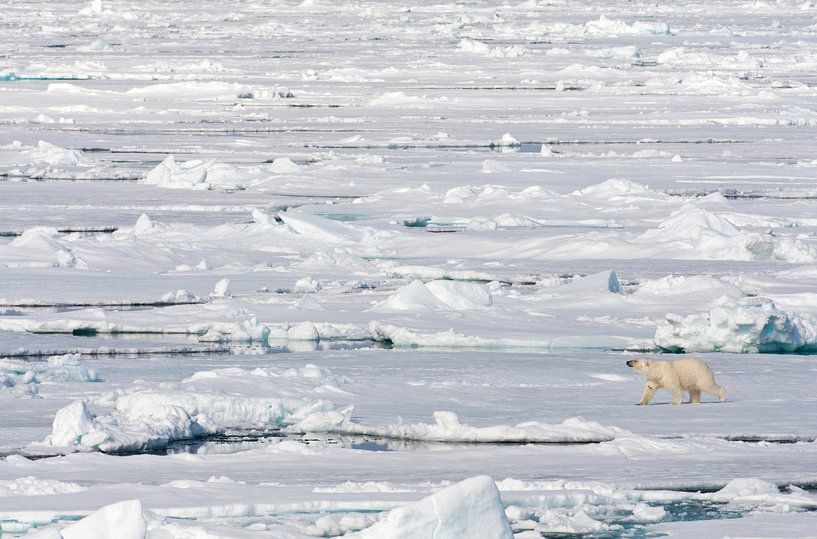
687, 374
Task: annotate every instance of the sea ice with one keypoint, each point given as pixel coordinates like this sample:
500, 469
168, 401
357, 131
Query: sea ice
751, 324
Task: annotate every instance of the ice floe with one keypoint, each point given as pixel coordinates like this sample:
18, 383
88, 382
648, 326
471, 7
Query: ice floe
195, 174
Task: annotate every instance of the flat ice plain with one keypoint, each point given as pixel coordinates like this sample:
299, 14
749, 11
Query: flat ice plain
374, 269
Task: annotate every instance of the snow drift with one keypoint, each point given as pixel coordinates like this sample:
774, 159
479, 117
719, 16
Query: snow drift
438, 295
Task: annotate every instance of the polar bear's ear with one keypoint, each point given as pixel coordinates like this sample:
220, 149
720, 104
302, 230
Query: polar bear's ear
646, 362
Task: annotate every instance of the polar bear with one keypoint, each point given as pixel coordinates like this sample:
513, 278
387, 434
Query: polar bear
687, 374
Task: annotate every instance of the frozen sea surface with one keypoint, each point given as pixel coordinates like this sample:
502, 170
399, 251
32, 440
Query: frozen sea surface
325, 269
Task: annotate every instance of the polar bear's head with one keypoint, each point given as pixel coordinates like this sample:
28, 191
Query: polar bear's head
640, 364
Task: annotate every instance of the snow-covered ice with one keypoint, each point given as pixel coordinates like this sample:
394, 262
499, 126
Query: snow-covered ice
364, 269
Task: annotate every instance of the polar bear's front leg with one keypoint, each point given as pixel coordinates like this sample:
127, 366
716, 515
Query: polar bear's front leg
649, 390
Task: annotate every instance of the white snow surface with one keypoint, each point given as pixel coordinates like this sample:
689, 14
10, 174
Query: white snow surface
329, 270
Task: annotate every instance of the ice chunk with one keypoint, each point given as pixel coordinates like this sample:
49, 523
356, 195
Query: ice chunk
123, 520
492, 166
261, 217
606, 27
751, 493
51, 154
195, 174
305, 331
307, 285
471, 508
143, 225
478, 47
32, 486
180, 296
42, 246
748, 325
508, 140
222, 289
70, 424
283, 165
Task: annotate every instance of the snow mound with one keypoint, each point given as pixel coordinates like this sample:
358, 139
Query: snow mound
614, 189
461, 296
194, 174
743, 326
31, 486
180, 296
691, 223
124, 520
283, 165
438, 295
756, 494
23, 378
619, 53
221, 289
50, 154
315, 227
683, 285
478, 47
712, 236
41, 246
39, 237
492, 166
144, 224
447, 428
207, 403
605, 27
471, 508
70, 423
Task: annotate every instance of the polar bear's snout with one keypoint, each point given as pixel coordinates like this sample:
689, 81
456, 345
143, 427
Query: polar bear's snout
630, 363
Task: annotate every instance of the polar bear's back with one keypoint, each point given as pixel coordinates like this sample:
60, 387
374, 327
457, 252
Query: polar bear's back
692, 372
